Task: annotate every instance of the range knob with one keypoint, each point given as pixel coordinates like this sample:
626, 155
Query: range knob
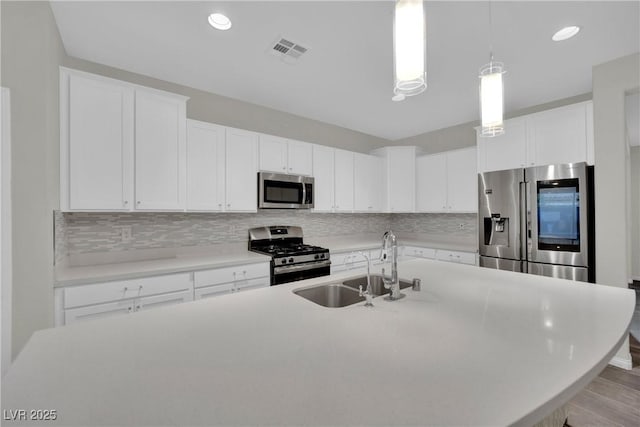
316, 256
321, 255
284, 261
290, 259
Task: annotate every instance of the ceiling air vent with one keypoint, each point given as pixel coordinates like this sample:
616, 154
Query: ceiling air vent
287, 50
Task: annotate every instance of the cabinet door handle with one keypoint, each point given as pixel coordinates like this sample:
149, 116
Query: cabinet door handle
284, 168
137, 307
126, 202
228, 205
138, 202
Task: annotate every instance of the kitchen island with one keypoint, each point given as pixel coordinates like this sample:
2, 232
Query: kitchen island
473, 347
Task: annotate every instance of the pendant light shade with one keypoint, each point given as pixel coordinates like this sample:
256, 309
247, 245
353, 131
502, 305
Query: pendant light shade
492, 99
409, 48
491, 91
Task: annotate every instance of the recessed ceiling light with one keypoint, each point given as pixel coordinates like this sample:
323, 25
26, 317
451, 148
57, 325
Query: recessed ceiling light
219, 21
565, 33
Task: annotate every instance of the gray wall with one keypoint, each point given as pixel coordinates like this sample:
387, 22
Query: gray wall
31, 53
213, 108
610, 82
635, 211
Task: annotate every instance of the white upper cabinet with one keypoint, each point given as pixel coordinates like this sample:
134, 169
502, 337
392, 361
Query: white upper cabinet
447, 182
507, 151
367, 177
122, 146
96, 162
205, 166
462, 181
283, 155
241, 179
273, 154
399, 177
160, 151
323, 173
343, 180
431, 187
560, 135
300, 157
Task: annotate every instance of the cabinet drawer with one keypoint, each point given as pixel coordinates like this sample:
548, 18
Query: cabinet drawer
418, 252
97, 311
454, 256
163, 300
246, 285
213, 291
231, 274
125, 289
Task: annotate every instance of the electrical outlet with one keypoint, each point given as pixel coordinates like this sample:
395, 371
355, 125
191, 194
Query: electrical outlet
462, 226
125, 234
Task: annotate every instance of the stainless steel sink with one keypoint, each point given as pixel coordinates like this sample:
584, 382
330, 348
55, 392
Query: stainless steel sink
377, 285
331, 295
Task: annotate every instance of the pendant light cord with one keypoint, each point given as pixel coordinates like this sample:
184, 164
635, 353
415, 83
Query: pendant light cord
490, 32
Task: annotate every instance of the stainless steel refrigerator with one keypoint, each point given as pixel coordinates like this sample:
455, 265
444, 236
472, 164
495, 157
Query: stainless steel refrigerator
538, 220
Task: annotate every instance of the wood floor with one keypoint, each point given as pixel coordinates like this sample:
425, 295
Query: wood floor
612, 399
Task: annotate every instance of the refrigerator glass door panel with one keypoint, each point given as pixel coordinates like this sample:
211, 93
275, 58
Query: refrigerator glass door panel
580, 274
499, 218
557, 214
501, 264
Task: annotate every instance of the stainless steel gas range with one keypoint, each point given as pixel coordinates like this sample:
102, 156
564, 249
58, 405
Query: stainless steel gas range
291, 259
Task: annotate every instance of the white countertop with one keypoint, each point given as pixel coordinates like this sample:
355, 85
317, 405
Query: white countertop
474, 347
215, 257
131, 265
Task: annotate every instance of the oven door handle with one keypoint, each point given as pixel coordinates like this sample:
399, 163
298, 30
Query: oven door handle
300, 267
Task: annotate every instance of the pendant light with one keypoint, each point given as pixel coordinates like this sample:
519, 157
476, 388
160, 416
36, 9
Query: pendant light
409, 49
491, 92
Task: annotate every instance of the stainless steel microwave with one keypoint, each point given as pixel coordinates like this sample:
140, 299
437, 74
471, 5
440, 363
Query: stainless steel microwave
279, 191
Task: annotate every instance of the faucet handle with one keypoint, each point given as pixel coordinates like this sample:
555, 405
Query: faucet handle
368, 296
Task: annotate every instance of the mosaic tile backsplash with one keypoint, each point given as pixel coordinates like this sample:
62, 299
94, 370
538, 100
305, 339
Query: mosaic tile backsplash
82, 233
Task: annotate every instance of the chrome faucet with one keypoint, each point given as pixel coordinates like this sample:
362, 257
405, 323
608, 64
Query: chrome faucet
389, 241
368, 294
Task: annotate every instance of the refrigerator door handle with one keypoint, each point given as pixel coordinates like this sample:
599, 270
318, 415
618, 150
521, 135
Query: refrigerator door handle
522, 233
529, 200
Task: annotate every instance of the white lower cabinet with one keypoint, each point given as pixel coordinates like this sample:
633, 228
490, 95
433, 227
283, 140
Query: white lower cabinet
164, 299
456, 256
439, 254
82, 302
418, 252
72, 315
121, 297
221, 281
343, 261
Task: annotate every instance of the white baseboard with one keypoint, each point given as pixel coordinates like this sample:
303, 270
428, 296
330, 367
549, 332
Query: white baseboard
622, 362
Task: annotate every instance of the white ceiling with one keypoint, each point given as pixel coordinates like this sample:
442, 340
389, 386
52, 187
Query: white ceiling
346, 77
